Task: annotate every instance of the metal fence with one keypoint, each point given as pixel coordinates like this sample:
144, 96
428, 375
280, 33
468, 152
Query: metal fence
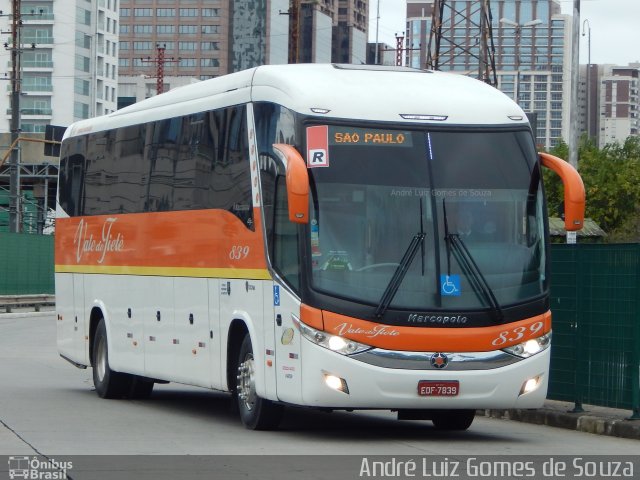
595, 300
26, 264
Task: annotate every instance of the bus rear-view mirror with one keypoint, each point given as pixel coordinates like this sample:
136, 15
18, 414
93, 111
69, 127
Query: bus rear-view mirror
297, 182
574, 195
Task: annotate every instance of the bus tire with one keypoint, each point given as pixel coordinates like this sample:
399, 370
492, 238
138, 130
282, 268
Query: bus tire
453, 419
256, 413
109, 384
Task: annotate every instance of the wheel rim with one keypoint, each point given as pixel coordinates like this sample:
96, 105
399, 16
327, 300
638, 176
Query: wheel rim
101, 359
246, 383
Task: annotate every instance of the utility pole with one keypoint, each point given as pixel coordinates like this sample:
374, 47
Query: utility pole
588, 32
294, 31
15, 47
377, 53
160, 62
575, 66
14, 161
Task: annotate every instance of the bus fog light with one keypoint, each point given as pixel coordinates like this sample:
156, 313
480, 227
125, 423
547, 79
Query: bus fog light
336, 383
530, 385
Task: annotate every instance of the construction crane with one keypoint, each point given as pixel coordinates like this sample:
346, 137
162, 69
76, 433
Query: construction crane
442, 41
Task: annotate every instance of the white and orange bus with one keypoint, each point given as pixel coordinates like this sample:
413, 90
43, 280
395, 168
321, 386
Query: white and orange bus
334, 236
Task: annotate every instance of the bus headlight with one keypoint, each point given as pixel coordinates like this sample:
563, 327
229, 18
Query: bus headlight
335, 343
530, 347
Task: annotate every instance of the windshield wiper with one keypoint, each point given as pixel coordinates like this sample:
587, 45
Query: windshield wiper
401, 271
470, 267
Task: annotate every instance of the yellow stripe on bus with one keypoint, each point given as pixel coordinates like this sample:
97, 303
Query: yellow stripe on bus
248, 273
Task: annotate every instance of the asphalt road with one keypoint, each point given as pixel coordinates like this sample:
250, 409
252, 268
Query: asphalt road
48, 407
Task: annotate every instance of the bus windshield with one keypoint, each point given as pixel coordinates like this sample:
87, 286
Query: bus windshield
454, 218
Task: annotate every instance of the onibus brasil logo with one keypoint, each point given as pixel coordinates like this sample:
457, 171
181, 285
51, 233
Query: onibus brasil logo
38, 468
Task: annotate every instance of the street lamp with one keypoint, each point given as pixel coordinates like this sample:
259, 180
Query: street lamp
585, 32
518, 29
375, 62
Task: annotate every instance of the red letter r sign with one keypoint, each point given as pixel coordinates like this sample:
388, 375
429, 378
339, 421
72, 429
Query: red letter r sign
318, 146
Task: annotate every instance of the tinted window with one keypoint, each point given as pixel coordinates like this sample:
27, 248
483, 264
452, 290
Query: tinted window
114, 171
162, 159
464, 164
193, 162
71, 177
231, 179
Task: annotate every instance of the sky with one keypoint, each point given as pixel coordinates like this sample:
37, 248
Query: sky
615, 27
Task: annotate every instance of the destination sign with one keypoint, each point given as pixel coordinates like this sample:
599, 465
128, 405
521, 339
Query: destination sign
369, 136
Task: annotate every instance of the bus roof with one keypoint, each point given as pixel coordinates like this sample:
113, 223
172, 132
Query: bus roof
364, 92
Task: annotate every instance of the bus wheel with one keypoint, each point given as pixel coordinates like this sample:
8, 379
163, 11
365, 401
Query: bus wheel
109, 384
256, 413
453, 419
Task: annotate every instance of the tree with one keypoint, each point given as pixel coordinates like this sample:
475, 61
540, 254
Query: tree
611, 177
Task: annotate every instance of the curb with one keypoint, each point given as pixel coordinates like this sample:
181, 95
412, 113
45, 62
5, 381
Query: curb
609, 422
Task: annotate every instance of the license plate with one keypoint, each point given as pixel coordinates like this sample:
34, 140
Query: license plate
437, 388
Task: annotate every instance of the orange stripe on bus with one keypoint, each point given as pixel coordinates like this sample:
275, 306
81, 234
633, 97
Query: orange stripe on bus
437, 339
193, 239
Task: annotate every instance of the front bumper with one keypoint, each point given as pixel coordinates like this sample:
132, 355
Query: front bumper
373, 386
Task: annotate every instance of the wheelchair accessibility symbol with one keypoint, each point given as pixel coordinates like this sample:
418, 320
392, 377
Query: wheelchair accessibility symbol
450, 285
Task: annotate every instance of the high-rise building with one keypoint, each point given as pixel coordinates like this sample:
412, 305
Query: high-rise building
208, 38
217, 41
609, 102
195, 37
350, 31
109, 39
588, 100
66, 71
69, 46
619, 103
315, 30
332, 31
202, 38
532, 54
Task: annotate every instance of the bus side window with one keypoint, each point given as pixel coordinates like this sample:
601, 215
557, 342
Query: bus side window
72, 171
231, 175
285, 238
162, 155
